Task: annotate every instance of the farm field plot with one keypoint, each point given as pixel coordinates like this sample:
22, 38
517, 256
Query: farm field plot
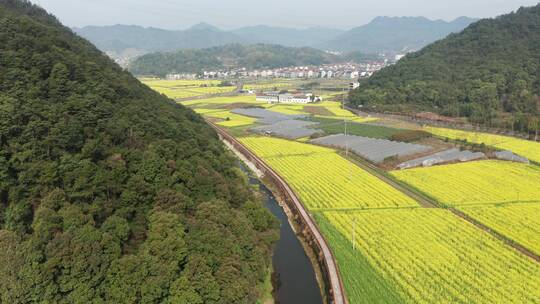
526, 148
221, 102
269, 85
229, 119
519, 222
431, 256
323, 179
187, 88
336, 126
225, 104
473, 183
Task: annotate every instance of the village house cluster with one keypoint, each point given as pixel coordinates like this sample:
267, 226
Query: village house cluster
336, 71
297, 97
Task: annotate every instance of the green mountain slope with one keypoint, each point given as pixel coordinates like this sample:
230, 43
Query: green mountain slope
256, 56
489, 73
109, 192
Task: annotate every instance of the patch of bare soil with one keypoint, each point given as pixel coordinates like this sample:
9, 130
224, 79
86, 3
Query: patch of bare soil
318, 111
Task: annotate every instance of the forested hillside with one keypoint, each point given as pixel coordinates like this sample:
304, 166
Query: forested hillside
489, 73
257, 56
109, 192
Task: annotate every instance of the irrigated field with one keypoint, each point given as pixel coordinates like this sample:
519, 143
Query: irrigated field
526, 148
519, 222
472, 183
430, 256
323, 179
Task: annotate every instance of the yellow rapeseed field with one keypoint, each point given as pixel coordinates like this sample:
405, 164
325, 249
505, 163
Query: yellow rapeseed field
432, 256
480, 182
525, 148
217, 102
229, 119
187, 88
323, 179
519, 222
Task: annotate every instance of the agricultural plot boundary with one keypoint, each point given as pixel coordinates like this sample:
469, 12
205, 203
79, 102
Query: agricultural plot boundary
507, 240
428, 201
333, 282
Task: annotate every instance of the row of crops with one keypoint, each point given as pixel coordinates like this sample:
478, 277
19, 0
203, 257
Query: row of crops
407, 254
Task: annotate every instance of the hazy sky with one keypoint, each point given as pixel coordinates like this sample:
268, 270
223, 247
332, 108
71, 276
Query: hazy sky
180, 14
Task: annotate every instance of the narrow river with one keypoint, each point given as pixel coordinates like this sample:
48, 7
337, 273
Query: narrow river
296, 277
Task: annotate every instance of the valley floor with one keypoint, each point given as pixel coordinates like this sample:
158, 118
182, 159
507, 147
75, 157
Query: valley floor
462, 231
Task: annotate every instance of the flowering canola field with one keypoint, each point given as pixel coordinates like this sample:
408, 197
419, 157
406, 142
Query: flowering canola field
407, 254
187, 88
519, 222
323, 179
228, 118
479, 182
431, 256
525, 148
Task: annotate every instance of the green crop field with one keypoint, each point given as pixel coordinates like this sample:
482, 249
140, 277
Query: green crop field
337, 126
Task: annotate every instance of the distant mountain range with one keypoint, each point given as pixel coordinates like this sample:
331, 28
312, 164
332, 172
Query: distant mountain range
384, 34
287, 36
395, 34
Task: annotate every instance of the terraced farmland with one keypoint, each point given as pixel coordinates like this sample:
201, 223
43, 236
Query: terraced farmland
431, 256
323, 179
519, 222
526, 148
473, 183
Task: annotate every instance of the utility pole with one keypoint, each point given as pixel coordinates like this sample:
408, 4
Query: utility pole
354, 233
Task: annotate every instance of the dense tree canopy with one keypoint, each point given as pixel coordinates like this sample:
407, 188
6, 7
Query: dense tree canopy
109, 192
257, 56
489, 73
